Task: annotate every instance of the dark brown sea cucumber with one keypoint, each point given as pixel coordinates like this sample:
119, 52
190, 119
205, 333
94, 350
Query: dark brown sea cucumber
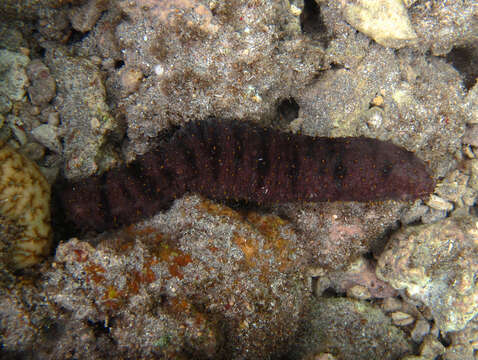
240, 160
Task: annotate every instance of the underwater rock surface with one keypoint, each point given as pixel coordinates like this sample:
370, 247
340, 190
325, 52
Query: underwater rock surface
87, 85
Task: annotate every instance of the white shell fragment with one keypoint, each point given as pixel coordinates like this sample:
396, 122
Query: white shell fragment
385, 21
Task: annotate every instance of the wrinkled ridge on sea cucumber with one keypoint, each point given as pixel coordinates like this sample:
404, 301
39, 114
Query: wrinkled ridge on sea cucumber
242, 161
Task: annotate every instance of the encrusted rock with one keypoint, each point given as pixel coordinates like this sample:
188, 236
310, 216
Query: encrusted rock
472, 103
85, 115
13, 77
456, 188
336, 235
84, 17
358, 280
474, 174
338, 104
347, 326
471, 135
431, 347
130, 79
414, 213
391, 304
202, 57
436, 264
421, 328
188, 282
42, 85
47, 135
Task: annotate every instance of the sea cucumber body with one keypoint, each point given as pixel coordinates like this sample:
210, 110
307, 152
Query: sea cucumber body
239, 160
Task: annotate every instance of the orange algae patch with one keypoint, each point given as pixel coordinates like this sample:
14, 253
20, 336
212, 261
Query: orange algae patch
271, 227
176, 259
213, 208
133, 231
94, 272
249, 248
81, 255
267, 225
138, 278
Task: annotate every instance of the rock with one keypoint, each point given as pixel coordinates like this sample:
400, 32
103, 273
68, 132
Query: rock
5, 104
391, 304
47, 135
464, 343
414, 213
474, 174
187, 282
347, 326
198, 56
358, 292
421, 328
456, 188
358, 280
431, 347
400, 318
471, 135
42, 85
433, 215
130, 79
85, 116
16, 125
386, 21
439, 203
436, 264
34, 151
459, 352
472, 104
83, 18
442, 26
13, 77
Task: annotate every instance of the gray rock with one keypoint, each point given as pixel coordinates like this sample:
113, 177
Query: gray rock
436, 264
347, 326
42, 85
85, 116
471, 135
421, 328
84, 17
47, 135
13, 77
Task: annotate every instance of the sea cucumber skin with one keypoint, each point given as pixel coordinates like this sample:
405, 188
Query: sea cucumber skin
239, 160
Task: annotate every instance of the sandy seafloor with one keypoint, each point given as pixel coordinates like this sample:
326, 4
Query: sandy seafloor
86, 86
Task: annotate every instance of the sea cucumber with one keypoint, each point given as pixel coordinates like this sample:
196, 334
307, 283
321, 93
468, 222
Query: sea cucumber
25, 231
239, 160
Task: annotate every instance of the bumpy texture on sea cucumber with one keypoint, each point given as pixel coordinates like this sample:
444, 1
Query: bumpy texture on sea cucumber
24, 206
239, 160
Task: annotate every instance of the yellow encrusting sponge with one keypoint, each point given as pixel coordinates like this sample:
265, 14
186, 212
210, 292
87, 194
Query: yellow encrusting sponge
24, 202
